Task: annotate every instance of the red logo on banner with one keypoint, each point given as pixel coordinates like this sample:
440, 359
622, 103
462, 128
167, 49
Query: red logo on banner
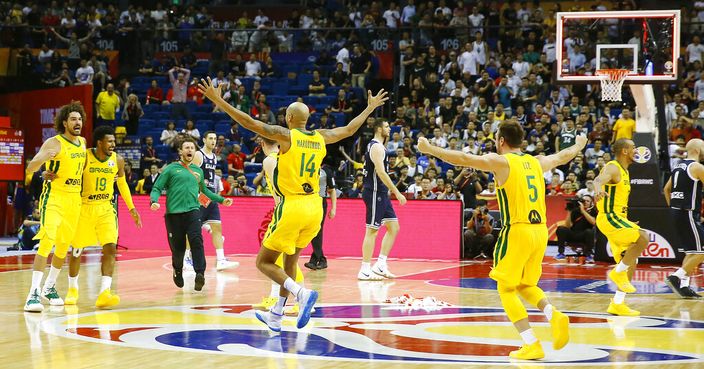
264, 225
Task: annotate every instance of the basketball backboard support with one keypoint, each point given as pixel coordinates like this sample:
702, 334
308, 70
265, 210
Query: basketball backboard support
646, 42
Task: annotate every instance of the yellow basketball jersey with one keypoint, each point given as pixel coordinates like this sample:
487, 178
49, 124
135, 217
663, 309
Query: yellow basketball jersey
68, 165
297, 171
522, 197
99, 179
616, 199
269, 182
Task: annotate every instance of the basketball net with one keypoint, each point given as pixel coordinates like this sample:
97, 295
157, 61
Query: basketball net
612, 83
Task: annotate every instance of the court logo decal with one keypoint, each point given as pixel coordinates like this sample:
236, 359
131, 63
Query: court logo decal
385, 333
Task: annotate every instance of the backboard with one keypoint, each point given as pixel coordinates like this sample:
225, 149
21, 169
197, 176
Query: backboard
645, 42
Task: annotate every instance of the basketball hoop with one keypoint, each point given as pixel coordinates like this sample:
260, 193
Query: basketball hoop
611, 83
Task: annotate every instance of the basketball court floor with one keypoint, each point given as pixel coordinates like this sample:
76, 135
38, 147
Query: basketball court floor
159, 325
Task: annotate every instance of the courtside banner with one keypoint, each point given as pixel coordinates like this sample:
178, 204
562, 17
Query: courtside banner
33, 112
430, 229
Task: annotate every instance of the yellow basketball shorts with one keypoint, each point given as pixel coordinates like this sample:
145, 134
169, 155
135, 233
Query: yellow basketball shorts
518, 254
59, 219
97, 225
620, 232
295, 223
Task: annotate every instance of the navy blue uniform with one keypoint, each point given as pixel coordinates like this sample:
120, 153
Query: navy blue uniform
685, 207
375, 193
211, 214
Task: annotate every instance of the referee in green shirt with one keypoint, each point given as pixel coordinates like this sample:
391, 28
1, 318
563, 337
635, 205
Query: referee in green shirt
183, 182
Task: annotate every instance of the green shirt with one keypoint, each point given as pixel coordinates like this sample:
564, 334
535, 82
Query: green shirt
182, 188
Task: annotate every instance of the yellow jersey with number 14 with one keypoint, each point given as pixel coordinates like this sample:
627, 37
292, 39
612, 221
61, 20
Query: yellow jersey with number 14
297, 170
99, 179
522, 197
68, 165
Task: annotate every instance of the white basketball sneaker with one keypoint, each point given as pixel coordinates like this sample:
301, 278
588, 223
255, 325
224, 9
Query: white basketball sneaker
188, 262
383, 270
50, 294
34, 303
223, 264
368, 275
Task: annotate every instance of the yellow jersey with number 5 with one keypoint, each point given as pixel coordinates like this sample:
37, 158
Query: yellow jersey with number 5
298, 169
68, 165
99, 179
522, 197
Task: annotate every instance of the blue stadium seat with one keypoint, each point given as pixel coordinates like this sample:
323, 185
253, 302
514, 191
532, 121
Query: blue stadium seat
338, 119
204, 125
311, 100
252, 168
395, 129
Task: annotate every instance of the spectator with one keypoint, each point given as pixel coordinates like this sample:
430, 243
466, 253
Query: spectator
253, 68
149, 156
408, 13
130, 176
169, 134
28, 229
155, 95
74, 45
316, 86
342, 104
240, 187
45, 54
624, 127
235, 161
448, 193
490, 190
592, 153
106, 104
578, 227
694, 51
84, 74
131, 114
339, 77
139, 189
151, 178
426, 192
478, 240
361, 64
191, 130
179, 85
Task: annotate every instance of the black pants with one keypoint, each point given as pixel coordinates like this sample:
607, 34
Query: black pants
475, 244
317, 242
182, 225
585, 237
179, 111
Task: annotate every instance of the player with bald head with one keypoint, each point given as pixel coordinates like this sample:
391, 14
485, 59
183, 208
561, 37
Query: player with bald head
683, 193
296, 181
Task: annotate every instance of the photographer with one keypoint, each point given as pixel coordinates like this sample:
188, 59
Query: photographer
578, 227
478, 240
469, 184
240, 188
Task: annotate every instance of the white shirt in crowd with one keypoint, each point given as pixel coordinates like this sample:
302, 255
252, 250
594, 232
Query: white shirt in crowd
521, 68
343, 56
699, 89
480, 48
694, 52
548, 175
252, 68
84, 75
549, 51
476, 21
407, 13
260, 19
468, 62
45, 56
392, 17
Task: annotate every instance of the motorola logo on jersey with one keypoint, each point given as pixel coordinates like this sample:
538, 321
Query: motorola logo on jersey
534, 217
73, 182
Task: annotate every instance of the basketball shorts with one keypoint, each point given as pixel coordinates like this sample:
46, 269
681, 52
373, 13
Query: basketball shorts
295, 223
379, 208
620, 232
690, 231
518, 254
59, 219
97, 225
210, 214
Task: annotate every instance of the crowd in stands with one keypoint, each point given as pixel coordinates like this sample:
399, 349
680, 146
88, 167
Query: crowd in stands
501, 69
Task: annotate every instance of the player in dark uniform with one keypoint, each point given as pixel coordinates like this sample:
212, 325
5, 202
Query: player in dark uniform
206, 159
683, 192
375, 193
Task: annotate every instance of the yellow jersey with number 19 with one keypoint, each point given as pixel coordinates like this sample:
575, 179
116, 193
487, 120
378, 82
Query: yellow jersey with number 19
68, 165
522, 197
297, 170
99, 179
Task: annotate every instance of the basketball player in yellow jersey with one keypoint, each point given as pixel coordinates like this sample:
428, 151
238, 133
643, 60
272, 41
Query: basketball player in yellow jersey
97, 224
296, 181
60, 201
626, 240
521, 245
271, 150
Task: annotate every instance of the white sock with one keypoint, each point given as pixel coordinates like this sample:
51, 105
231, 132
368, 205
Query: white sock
105, 283
548, 311
274, 290
278, 308
187, 254
680, 273
73, 282
528, 336
51, 278
36, 280
220, 253
292, 286
381, 259
684, 282
619, 297
366, 267
621, 267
